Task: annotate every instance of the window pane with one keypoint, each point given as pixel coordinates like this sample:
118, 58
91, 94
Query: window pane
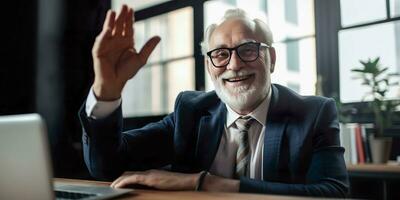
180, 76
154, 89
291, 18
359, 44
304, 78
176, 32
137, 4
395, 8
292, 51
362, 11
147, 80
291, 11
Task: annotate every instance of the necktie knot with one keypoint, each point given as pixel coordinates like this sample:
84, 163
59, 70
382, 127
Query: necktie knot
243, 123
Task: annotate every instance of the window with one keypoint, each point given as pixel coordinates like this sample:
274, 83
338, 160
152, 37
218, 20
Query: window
357, 44
373, 35
292, 25
395, 8
362, 11
137, 4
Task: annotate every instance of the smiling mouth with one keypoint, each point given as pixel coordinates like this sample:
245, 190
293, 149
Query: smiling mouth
238, 78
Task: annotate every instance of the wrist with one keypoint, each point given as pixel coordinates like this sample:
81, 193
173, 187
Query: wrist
219, 184
200, 180
103, 92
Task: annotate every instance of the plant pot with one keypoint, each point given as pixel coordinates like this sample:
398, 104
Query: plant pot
380, 148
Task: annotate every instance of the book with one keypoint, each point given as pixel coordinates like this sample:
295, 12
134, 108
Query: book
365, 139
359, 145
348, 142
345, 141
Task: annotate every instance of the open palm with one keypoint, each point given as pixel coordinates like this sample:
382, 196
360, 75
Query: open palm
114, 57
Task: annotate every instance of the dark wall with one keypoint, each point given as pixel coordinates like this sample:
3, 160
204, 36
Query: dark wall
17, 57
47, 68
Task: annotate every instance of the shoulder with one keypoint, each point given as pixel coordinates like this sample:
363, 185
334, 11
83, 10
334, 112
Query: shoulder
291, 101
285, 93
197, 99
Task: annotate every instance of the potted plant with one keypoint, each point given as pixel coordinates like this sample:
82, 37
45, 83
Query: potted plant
379, 81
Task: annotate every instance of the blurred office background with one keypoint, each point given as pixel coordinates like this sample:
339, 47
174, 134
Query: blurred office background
47, 66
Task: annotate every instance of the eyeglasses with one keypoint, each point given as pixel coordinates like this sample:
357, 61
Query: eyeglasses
247, 52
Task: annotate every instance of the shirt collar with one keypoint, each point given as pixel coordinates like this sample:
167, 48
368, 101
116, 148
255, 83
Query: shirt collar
260, 113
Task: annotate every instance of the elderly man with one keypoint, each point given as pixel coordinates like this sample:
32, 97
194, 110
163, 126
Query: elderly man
247, 136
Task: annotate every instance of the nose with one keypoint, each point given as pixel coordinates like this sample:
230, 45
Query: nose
235, 64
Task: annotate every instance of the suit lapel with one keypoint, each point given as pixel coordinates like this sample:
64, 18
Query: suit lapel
272, 148
211, 128
275, 128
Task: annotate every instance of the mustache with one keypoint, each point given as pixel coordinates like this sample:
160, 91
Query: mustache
233, 74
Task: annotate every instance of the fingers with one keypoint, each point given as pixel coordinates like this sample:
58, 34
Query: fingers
109, 22
120, 21
119, 179
148, 48
126, 179
128, 28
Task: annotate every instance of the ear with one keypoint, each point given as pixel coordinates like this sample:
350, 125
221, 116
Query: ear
272, 56
208, 63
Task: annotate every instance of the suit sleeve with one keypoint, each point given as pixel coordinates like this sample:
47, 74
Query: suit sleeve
326, 175
108, 151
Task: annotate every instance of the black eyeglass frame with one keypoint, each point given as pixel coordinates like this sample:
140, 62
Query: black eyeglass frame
259, 44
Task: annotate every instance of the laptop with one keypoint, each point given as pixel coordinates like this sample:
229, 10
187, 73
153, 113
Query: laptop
25, 165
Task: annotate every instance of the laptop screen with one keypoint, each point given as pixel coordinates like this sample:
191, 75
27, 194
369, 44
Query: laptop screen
25, 169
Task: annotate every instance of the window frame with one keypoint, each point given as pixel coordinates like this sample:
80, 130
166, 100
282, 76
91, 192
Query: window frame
328, 24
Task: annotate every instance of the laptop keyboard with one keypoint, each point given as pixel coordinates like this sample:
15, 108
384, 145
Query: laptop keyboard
72, 195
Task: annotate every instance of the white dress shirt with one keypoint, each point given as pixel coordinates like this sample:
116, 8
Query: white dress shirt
225, 159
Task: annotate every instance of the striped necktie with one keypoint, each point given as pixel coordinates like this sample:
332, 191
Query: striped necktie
243, 153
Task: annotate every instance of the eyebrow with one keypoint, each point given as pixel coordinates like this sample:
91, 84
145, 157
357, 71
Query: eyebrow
239, 43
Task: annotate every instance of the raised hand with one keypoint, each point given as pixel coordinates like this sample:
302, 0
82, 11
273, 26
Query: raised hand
115, 58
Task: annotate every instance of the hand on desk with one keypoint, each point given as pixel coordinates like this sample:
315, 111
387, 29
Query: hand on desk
165, 180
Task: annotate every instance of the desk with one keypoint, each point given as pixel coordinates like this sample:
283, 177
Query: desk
376, 181
387, 171
140, 194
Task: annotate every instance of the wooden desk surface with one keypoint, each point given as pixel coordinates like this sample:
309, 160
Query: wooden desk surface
390, 171
140, 194
378, 168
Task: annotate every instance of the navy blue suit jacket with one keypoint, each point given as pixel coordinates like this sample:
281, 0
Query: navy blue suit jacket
302, 153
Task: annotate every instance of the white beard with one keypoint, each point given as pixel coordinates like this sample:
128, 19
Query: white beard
242, 97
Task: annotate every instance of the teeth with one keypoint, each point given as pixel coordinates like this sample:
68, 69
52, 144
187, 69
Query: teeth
238, 78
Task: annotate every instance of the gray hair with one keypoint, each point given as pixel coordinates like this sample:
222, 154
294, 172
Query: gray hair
261, 28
